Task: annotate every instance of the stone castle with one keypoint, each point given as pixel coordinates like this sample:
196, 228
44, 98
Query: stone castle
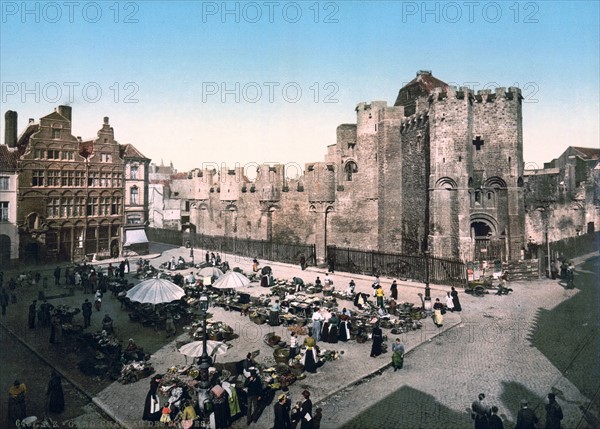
441, 170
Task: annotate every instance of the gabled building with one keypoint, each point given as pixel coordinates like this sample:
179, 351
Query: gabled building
71, 193
9, 236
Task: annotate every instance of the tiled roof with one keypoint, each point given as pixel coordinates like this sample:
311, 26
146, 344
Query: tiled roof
8, 158
56, 116
588, 152
129, 151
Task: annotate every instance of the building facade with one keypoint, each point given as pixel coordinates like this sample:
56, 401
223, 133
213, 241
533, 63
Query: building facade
71, 193
441, 171
9, 235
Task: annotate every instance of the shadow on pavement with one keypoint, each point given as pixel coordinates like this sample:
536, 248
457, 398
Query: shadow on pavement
408, 408
573, 325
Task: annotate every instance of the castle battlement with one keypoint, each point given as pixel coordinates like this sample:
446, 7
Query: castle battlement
414, 121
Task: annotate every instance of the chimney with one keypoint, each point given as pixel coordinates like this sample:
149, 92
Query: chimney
106, 120
10, 131
65, 111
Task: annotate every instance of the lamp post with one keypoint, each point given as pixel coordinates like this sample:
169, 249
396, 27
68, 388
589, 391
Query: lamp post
427, 301
205, 360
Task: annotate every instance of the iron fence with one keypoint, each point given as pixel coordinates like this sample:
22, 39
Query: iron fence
402, 267
261, 249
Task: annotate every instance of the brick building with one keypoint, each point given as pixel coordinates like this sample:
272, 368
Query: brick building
72, 200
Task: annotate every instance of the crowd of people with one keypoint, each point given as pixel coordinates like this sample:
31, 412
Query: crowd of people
486, 417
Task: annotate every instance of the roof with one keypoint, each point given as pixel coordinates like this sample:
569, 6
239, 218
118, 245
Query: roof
588, 152
8, 158
31, 129
55, 116
129, 151
421, 85
426, 81
541, 171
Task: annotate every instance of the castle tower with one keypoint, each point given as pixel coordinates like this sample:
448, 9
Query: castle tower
476, 163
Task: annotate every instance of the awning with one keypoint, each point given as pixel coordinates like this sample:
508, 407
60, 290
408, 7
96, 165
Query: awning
135, 236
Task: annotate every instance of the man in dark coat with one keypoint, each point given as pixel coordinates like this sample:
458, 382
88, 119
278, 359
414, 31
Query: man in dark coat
31, 318
526, 418
3, 300
480, 412
56, 399
554, 413
282, 417
86, 309
254, 385
57, 276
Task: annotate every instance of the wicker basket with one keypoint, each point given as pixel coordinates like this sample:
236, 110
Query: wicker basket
281, 355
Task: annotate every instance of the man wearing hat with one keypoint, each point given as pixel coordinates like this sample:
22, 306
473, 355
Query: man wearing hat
554, 413
526, 418
282, 416
480, 412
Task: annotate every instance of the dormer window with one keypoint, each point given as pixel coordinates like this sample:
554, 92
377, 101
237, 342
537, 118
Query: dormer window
105, 157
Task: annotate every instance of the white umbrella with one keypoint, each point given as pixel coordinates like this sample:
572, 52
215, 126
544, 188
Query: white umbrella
232, 280
155, 291
195, 348
210, 272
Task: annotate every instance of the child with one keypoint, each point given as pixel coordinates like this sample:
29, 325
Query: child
166, 414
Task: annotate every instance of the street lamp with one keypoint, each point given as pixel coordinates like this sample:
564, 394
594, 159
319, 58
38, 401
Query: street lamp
205, 360
427, 302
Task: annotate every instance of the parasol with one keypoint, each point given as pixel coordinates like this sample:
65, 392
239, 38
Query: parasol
155, 291
195, 348
232, 280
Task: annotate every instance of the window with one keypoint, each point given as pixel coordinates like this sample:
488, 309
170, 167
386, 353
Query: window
350, 169
93, 178
53, 207
55, 133
3, 183
78, 206
67, 155
39, 154
79, 178
92, 206
105, 206
53, 178
134, 195
133, 172
67, 178
37, 178
53, 154
105, 180
66, 206
134, 219
3, 211
116, 206
105, 157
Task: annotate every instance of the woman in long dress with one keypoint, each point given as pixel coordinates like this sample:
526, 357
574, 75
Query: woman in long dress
438, 319
449, 302
377, 340
455, 300
17, 407
56, 398
310, 357
152, 409
344, 334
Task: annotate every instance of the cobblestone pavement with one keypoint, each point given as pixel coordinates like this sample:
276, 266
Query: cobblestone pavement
79, 412
542, 338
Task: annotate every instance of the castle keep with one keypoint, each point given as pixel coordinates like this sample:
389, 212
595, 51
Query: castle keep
440, 170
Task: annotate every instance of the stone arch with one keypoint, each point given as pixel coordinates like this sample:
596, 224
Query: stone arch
350, 168
446, 183
520, 182
495, 182
485, 224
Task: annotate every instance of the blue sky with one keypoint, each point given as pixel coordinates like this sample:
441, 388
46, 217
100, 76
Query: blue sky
249, 82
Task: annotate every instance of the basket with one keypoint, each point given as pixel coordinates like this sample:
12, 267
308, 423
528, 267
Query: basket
281, 355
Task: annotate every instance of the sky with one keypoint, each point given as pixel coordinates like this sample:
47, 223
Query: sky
207, 83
